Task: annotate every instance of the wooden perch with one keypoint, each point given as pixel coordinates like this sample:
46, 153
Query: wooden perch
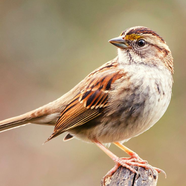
124, 177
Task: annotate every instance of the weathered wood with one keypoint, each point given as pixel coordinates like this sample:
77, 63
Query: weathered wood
124, 177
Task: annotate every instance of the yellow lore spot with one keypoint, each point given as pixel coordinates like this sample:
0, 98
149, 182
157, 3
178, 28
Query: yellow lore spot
132, 37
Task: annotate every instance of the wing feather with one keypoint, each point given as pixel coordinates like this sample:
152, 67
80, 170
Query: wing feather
90, 101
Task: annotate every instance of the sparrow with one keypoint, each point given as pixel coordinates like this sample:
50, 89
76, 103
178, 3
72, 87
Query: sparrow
119, 100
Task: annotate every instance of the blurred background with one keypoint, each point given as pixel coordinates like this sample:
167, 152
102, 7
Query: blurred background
47, 47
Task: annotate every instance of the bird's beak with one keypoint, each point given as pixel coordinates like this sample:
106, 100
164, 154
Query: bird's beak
119, 42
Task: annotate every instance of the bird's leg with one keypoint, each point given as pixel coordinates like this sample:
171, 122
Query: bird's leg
136, 160
119, 162
133, 156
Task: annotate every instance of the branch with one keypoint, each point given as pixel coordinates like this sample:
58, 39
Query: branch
124, 177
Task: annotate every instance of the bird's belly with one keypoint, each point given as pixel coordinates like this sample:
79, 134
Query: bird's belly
123, 128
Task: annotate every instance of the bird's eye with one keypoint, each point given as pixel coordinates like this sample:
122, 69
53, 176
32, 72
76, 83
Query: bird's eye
141, 42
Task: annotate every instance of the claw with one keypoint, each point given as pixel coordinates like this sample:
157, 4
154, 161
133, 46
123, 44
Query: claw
127, 163
107, 177
160, 170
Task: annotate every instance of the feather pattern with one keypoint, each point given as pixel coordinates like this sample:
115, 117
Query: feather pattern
90, 101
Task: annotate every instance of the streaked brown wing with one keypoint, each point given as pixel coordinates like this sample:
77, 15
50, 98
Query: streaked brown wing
87, 104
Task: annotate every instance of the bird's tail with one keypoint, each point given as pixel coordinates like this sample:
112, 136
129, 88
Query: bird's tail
43, 115
13, 122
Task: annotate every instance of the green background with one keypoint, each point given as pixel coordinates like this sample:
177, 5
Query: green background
47, 47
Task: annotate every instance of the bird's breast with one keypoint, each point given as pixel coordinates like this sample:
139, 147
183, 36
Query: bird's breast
136, 102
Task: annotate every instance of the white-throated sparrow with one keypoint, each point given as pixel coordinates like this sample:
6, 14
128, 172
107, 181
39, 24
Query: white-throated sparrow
118, 101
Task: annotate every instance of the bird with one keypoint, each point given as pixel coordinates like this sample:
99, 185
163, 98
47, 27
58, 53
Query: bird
116, 102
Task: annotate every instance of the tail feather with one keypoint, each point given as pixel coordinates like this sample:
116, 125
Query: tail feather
14, 122
43, 115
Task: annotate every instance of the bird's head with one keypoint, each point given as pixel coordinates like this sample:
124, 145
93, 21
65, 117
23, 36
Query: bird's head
142, 45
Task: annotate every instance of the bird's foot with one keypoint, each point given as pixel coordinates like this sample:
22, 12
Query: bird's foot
127, 163
136, 158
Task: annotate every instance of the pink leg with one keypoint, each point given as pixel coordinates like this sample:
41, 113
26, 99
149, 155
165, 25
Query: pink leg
134, 160
133, 156
116, 159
